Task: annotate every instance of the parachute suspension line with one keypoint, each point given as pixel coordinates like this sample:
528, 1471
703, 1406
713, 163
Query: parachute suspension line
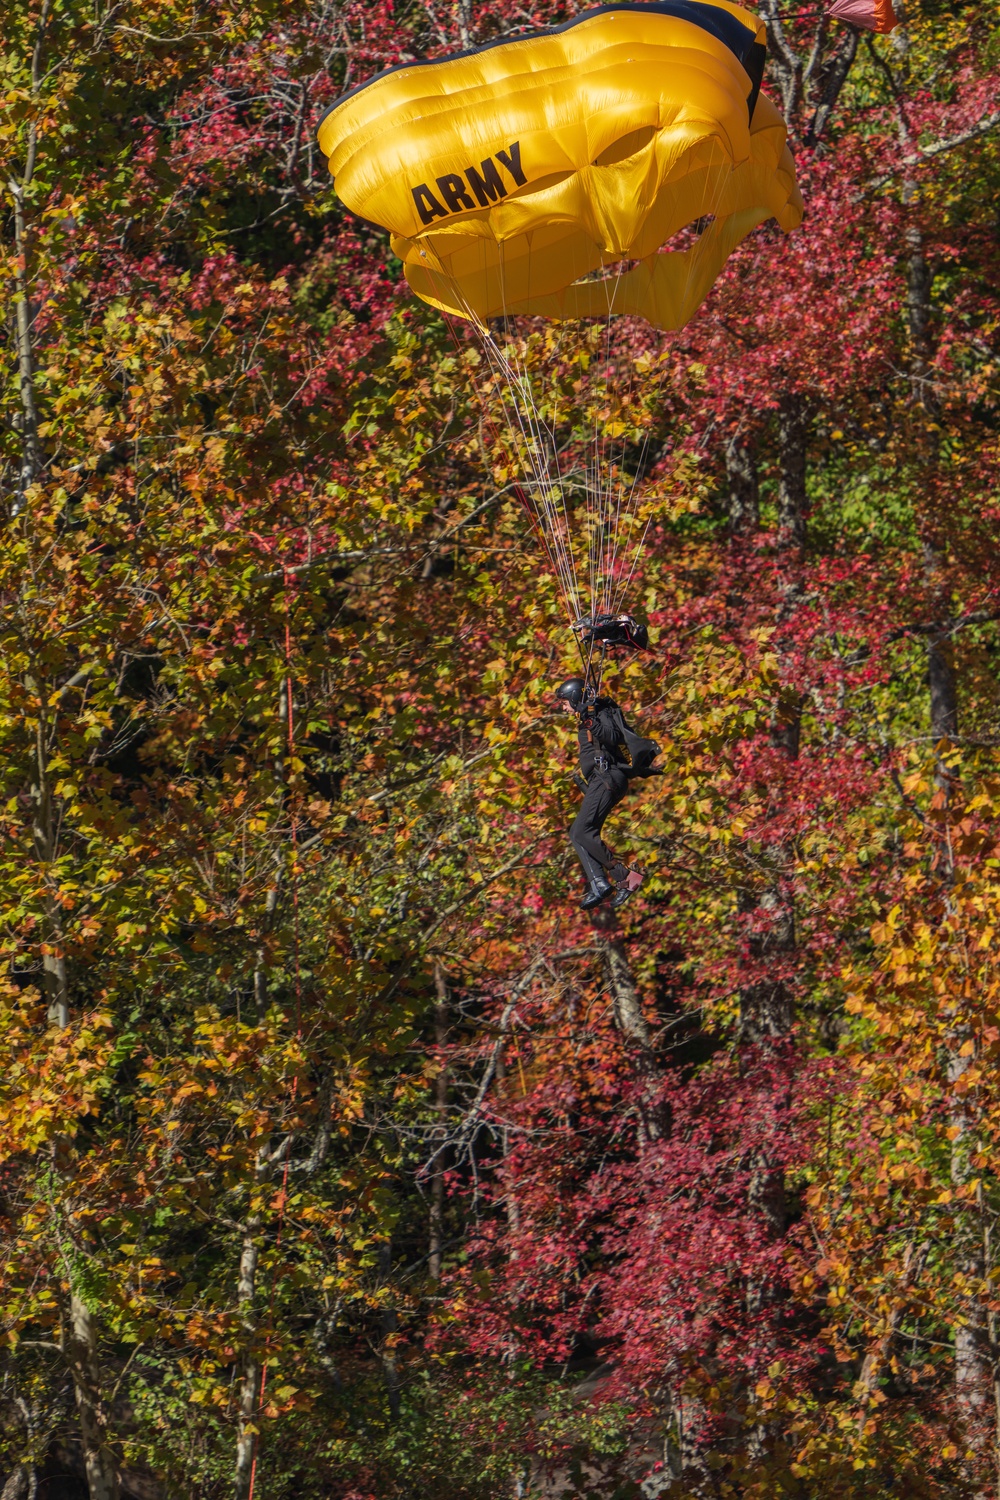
554, 478
592, 679
628, 566
624, 497
603, 444
586, 660
598, 516
539, 455
535, 442
592, 476
612, 485
621, 495
626, 500
487, 417
622, 594
596, 513
554, 363
529, 409
527, 450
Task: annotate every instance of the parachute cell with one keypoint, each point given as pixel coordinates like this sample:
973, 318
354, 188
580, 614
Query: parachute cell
513, 177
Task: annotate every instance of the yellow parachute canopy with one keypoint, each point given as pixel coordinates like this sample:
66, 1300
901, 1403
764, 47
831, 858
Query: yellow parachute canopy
511, 176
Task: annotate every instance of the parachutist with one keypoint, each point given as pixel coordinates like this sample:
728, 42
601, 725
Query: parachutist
611, 755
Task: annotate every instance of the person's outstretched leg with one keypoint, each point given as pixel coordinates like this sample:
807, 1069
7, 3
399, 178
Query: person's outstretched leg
604, 791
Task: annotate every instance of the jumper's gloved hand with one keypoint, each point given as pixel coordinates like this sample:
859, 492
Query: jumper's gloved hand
578, 779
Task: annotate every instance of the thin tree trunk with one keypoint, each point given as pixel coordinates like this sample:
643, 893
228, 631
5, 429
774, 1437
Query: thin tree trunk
80, 1334
876, 1359
22, 1484
31, 458
18, 1484
766, 1014
510, 1197
618, 976
743, 487
440, 1132
23, 319
766, 1001
80, 1337
766, 1008
511, 1206
792, 433
942, 685
975, 1351
920, 275
834, 74
260, 969
80, 1346
784, 62
390, 1326
629, 1017
943, 689
247, 1417
463, 15
44, 836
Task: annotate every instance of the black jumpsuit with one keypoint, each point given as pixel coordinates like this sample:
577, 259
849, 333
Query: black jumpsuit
604, 767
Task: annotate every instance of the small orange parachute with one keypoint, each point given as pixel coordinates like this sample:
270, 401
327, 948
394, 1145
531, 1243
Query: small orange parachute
871, 15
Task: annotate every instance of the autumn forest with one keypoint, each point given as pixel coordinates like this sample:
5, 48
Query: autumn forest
342, 1155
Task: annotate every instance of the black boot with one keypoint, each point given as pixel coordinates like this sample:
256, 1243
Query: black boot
599, 887
626, 888
597, 891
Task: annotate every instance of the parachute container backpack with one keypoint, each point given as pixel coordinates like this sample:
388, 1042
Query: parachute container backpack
584, 183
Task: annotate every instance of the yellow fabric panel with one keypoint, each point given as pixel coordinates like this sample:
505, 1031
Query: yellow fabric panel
565, 97
666, 289
507, 174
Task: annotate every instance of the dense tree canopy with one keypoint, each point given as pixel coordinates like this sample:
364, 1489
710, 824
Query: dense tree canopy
341, 1155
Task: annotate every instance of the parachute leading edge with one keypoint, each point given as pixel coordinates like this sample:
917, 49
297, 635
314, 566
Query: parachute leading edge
508, 174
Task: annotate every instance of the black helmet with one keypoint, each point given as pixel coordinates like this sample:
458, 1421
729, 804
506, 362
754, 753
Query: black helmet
571, 692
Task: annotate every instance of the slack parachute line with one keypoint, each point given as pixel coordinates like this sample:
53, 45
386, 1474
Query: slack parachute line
529, 186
